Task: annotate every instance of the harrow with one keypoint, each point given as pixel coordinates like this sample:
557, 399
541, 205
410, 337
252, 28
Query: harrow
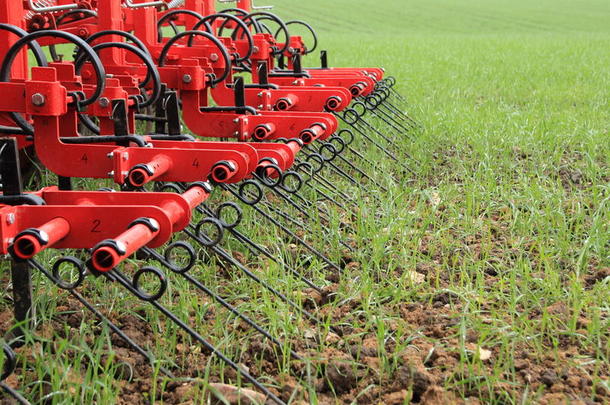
204, 127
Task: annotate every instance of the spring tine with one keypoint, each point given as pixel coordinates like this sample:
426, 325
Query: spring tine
10, 362
255, 247
267, 254
384, 137
368, 138
14, 393
323, 215
147, 355
381, 148
360, 155
388, 119
159, 258
394, 109
300, 224
326, 196
362, 173
288, 232
301, 209
320, 179
366, 160
224, 255
116, 275
406, 119
338, 170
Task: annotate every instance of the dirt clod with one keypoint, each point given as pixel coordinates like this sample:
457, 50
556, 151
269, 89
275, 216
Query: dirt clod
234, 395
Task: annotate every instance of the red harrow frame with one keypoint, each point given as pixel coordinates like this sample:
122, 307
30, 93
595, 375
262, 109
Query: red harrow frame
138, 109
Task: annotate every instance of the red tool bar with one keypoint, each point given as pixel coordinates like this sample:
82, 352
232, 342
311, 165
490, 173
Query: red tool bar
32, 241
80, 220
286, 102
145, 173
311, 134
110, 254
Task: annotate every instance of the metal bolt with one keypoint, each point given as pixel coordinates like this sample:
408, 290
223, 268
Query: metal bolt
110, 155
236, 120
255, 49
125, 156
104, 102
10, 219
236, 133
214, 57
260, 94
111, 174
38, 99
187, 78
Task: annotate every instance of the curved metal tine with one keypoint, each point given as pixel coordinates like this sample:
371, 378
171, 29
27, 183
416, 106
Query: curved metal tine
226, 256
396, 110
303, 210
287, 231
390, 141
351, 149
362, 173
102, 318
10, 362
338, 170
323, 181
200, 286
405, 118
361, 186
116, 275
376, 144
14, 393
299, 224
397, 94
389, 120
255, 247
322, 215
397, 116
325, 196
387, 102
290, 218
366, 160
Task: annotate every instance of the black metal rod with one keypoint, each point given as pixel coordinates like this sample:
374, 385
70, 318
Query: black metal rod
226, 256
147, 355
290, 233
118, 276
200, 286
260, 249
15, 394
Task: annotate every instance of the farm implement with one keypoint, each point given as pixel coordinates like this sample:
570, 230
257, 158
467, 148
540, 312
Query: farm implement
196, 129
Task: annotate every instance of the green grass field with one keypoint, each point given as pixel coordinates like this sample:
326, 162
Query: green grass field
481, 278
